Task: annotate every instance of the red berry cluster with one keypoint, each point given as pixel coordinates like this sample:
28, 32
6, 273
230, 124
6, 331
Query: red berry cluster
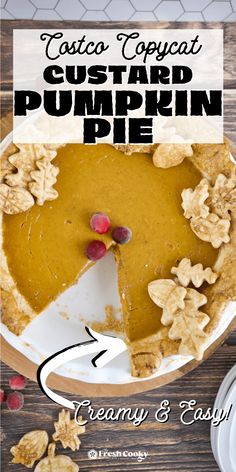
100, 223
14, 399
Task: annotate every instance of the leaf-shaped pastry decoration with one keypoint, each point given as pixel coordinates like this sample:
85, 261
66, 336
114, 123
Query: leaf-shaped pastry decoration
14, 199
193, 201
43, 181
181, 312
188, 325
212, 229
165, 293
209, 208
54, 463
222, 196
187, 273
30, 448
24, 162
170, 155
67, 431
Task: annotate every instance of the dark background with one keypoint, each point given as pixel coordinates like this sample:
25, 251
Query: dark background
171, 447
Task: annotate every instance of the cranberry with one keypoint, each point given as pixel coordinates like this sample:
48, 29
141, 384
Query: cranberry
17, 382
2, 396
15, 401
96, 250
121, 234
100, 223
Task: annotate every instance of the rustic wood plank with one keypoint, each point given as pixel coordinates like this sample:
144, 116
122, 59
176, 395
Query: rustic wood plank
170, 447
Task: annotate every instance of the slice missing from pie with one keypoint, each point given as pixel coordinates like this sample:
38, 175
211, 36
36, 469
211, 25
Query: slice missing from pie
177, 272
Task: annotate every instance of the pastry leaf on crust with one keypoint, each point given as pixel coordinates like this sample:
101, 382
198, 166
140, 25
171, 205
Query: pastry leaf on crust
43, 180
181, 313
24, 162
186, 273
188, 324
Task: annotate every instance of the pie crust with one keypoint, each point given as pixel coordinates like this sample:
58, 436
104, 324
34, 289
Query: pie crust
210, 209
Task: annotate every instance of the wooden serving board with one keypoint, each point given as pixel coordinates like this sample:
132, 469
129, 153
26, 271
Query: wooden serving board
22, 364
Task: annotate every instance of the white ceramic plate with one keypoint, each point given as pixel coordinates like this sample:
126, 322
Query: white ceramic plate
226, 436
86, 301
225, 392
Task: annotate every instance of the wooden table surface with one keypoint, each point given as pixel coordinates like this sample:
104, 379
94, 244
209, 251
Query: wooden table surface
171, 447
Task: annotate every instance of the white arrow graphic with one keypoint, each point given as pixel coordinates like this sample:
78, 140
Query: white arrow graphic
108, 347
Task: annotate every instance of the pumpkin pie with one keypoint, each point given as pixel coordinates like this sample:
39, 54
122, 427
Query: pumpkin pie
175, 275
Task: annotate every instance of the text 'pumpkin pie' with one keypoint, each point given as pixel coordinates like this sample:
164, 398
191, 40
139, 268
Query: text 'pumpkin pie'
175, 275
